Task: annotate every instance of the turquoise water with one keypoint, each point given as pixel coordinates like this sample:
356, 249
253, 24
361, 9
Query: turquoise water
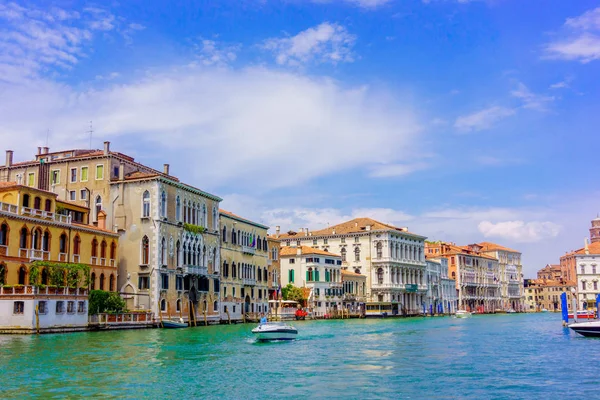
484, 357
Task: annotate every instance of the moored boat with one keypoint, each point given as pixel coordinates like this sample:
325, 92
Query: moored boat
462, 314
589, 329
168, 324
583, 314
275, 331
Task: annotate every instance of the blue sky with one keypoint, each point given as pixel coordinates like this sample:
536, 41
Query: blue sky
465, 120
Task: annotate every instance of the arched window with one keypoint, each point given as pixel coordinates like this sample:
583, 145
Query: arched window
25, 200
177, 254
259, 244
215, 219
93, 281
62, 243
22, 275
77, 245
23, 238
4, 235
2, 274
111, 283
163, 204
356, 254
37, 239
98, 204
45, 276
37, 203
310, 275
163, 252
101, 282
103, 249
94, 248
233, 237
113, 250
46, 241
215, 306
145, 250
163, 305
204, 257
265, 244
224, 235
380, 276
178, 209
233, 270
146, 204
48, 205
204, 224
379, 250
343, 254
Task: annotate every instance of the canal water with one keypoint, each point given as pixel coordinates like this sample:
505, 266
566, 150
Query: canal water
518, 356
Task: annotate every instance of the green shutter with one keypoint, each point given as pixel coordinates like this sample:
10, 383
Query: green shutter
317, 275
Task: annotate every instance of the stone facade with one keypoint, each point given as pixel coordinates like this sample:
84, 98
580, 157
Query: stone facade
511, 275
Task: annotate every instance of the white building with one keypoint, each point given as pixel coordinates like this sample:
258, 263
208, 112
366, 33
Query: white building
434, 283
391, 258
58, 310
318, 270
511, 275
588, 277
447, 287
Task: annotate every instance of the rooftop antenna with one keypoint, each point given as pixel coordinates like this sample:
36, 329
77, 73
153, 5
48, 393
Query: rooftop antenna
91, 132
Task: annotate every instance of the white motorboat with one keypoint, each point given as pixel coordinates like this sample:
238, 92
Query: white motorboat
590, 329
462, 314
275, 331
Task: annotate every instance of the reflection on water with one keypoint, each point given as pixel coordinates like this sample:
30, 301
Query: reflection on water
508, 356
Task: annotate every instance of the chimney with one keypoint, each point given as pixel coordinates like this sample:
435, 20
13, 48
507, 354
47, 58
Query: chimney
45, 150
587, 250
9, 158
305, 231
106, 148
299, 251
368, 228
277, 230
39, 151
102, 220
121, 171
356, 224
333, 231
166, 169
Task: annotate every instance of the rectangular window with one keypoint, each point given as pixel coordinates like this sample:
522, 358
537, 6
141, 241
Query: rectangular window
81, 307
298, 243
179, 283
143, 282
165, 281
72, 195
42, 307
292, 261
593, 269
325, 241
31, 179
83, 194
55, 177
315, 242
356, 239
291, 276
99, 172
84, 174
343, 240
60, 307
582, 269
70, 307
73, 175
18, 307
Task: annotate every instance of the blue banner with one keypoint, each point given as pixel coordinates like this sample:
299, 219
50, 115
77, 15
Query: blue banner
564, 307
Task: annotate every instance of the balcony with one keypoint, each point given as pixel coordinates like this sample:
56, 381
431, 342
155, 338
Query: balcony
3, 250
94, 261
248, 250
62, 257
335, 284
47, 291
195, 270
76, 258
249, 282
9, 208
103, 262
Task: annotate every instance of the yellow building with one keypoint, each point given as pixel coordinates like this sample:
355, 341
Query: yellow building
544, 294
274, 267
244, 273
34, 226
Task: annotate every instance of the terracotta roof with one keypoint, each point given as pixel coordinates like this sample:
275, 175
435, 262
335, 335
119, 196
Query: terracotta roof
92, 227
72, 204
230, 214
140, 175
7, 185
352, 273
356, 225
593, 248
551, 282
15, 185
489, 246
292, 251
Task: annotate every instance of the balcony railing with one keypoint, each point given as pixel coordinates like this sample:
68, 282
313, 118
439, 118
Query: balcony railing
3, 250
47, 291
112, 262
9, 208
195, 270
249, 282
103, 262
248, 250
76, 258
94, 260
62, 257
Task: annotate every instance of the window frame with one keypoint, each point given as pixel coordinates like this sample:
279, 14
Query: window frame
71, 180
87, 170
57, 181
96, 172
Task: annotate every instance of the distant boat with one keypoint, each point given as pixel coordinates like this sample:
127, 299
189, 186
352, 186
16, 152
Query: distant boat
590, 329
275, 331
544, 310
583, 314
462, 314
511, 311
168, 324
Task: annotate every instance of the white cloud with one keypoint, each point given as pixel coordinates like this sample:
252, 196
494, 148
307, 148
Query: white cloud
395, 170
483, 119
520, 231
108, 77
582, 42
367, 4
531, 100
325, 43
212, 53
566, 83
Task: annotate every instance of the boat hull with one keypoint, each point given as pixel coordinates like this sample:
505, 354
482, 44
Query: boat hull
462, 314
265, 333
173, 325
588, 329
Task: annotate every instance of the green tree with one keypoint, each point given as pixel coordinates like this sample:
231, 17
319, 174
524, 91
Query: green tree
101, 301
291, 292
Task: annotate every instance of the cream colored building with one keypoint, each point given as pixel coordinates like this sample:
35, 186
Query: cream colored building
274, 268
244, 272
391, 258
355, 287
170, 234
544, 294
511, 275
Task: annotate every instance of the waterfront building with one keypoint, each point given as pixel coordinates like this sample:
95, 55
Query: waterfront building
170, 236
273, 267
588, 275
568, 262
443, 290
434, 281
354, 289
36, 226
477, 275
545, 294
511, 274
391, 258
244, 273
318, 271
551, 272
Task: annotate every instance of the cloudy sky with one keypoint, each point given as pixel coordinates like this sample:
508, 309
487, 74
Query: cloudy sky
465, 120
